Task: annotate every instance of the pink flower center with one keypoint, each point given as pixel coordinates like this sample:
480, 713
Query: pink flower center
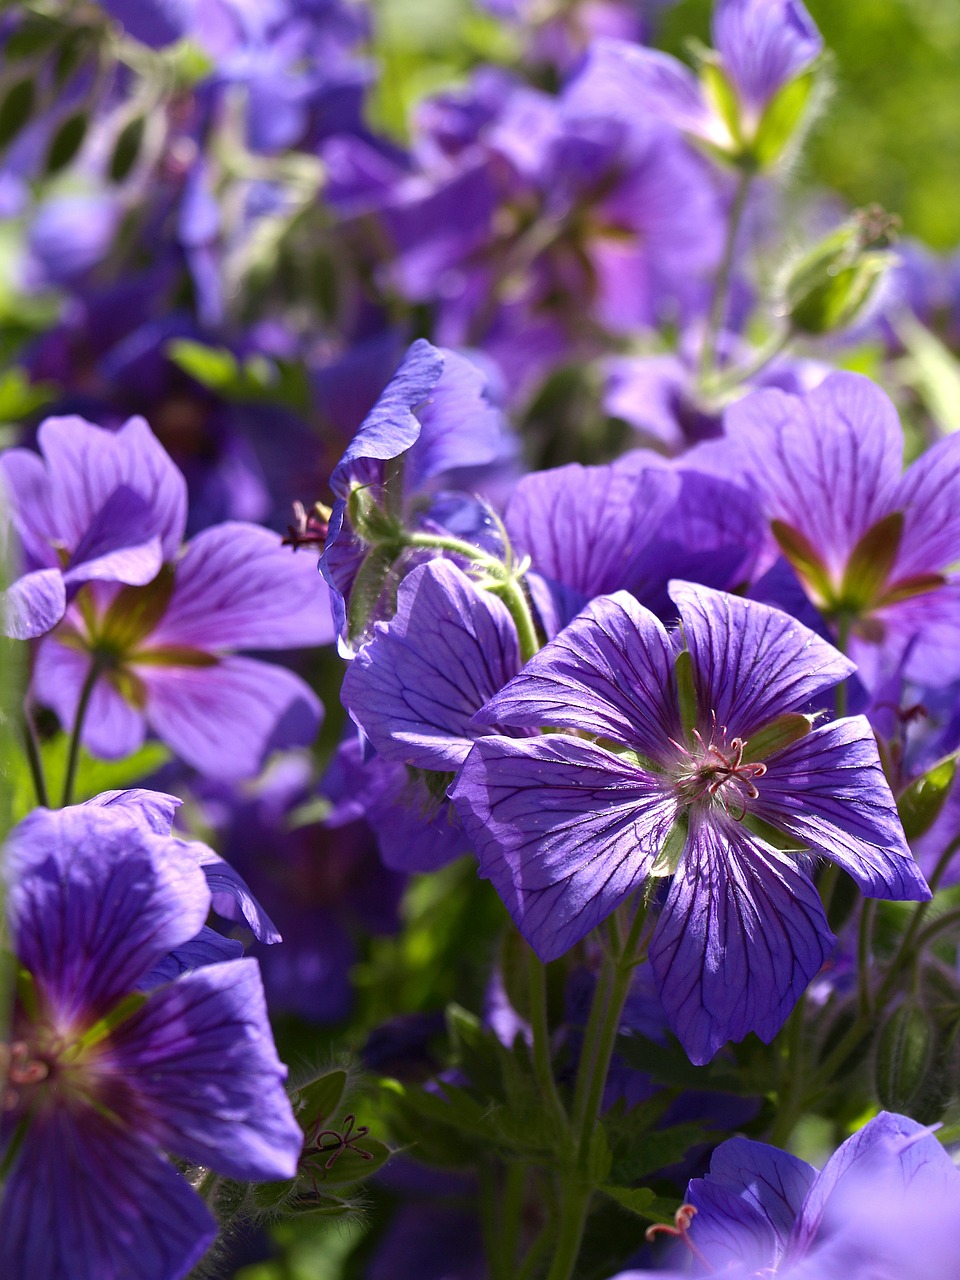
716, 770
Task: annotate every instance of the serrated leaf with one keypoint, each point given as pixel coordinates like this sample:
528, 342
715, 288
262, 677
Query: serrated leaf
640, 1200
646, 1153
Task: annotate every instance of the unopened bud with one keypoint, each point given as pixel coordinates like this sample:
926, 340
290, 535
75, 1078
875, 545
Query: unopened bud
907, 1070
832, 284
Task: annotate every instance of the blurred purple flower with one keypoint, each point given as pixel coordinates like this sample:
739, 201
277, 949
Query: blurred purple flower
886, 1206
102, 1077
98, 506
163, 655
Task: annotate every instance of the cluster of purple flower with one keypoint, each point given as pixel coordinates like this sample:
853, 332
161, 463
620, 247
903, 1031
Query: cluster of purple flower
689, 706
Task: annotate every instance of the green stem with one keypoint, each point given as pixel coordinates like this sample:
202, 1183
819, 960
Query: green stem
573, 1220
599, 1039
840, 693
865, 952
32, 752
946, 921
503, 583
730, 379
718, 308
539, 1023
73, 758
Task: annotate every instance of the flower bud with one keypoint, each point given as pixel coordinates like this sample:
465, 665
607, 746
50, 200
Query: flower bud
832, 284
907, 1069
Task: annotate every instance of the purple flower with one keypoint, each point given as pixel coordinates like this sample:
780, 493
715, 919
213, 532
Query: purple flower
434, 417
874, 547
886, 1206
162, 656
705, 771
102, 1078
97, 506
416, 686
761, 47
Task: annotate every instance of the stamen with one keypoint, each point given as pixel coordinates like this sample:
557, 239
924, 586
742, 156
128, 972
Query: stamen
679, 1231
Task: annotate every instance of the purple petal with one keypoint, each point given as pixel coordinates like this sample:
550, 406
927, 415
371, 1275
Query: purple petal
95, 902
224, 719
113, 547
751, 662
899, 1171
827, 463
829, 790
564, 829
390, 428
626, 82
585, 526
153, 810
772, 1183
741, 934
460, 427
237, 587
730, 1232
929, 497
231, 895
112, 727
26, 485
200, 1057
764, 44
33, 604
156, 23
88, 1200
610, 673
208, 947
416, 686
87, 464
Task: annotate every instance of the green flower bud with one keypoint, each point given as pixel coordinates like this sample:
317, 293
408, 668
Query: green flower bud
831, 284
908, 1071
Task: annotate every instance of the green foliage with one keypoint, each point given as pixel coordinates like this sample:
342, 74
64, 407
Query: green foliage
93, 775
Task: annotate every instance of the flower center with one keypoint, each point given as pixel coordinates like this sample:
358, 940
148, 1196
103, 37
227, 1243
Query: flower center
716, 770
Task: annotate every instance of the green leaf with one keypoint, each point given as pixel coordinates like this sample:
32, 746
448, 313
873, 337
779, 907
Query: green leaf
920, 805
646, 1153
19, 397
66, 142
16, 109
932, 370
213, 367
805, 560
781, 120
348, 1165
92, 777
319, 1098
126, 149
642, 1201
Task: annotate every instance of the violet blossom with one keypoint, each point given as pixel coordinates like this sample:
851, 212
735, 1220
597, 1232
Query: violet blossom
704, 769
103, 1077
